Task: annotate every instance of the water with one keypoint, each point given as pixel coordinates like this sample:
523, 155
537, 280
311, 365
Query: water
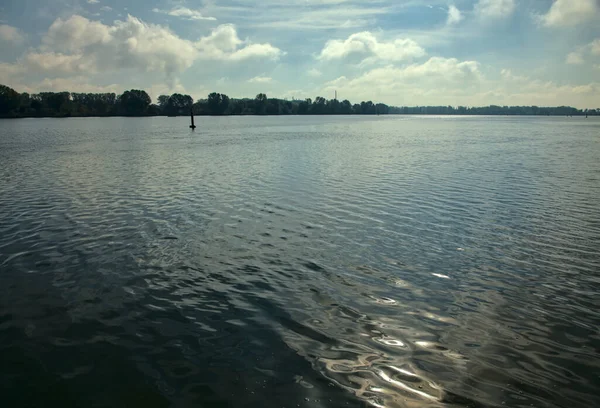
300, 261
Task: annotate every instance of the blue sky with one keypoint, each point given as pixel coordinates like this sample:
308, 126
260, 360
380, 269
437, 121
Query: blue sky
402, 52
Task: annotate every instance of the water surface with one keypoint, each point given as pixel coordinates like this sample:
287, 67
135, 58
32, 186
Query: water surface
300, 261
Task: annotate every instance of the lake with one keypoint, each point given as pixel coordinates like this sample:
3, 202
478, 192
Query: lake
391, 261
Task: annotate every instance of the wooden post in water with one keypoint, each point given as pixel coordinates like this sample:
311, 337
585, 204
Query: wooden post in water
192, 126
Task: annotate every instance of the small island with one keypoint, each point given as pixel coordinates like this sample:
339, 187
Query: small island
138, 103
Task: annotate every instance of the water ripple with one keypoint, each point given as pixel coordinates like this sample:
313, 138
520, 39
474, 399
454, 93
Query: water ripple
325, 261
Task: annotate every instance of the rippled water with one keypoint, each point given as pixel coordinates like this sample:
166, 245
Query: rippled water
300, 261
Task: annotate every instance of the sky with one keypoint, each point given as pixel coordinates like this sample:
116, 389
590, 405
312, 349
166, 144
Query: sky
399, 52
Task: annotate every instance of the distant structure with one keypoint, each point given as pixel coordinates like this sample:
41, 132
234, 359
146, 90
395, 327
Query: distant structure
335, 97
192, 126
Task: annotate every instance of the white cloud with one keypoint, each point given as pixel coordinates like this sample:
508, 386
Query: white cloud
495, 8
260, 80
436, 75
78, 46
10, 34
507, 74
570, 12
93, 1
313, 72
9, 70
255, 51
76, 33
222, 39
71, 84
105, 8
595, 47
441, 81
523, 90
57, 62
447, 69
77, 84
454, 15
316, 16
223, 43
366, 46
126, 44
184, 13
575, 58
578, 56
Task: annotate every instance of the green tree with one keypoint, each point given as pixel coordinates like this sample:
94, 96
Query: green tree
368, 108
134, 102
346, 107
178, 104
217, 103
334, 107
273, 106
137, 103
224, 104
305, 106
162, 101
319, 106
382, 109
154, 110
54, 103
9, 100
260, 104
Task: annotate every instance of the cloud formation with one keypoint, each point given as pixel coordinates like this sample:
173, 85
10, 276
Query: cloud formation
72, 84
448, 81
10, 34
523, 90
184, 13
575, 58
313, 72
454, 15
44, 62
9, 70
224, 44
260, 80
495, 8
594, 47
578, 56
368, 48
78, 45
564, 13
440, 76
125, 44
313, 15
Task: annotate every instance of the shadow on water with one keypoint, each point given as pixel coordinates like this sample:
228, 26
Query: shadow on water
127, 345
186, 336
53, 356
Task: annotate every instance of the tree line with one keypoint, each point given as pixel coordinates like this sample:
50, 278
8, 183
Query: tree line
138, 103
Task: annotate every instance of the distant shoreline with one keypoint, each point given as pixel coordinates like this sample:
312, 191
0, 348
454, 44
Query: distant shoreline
137, 103
296, 115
